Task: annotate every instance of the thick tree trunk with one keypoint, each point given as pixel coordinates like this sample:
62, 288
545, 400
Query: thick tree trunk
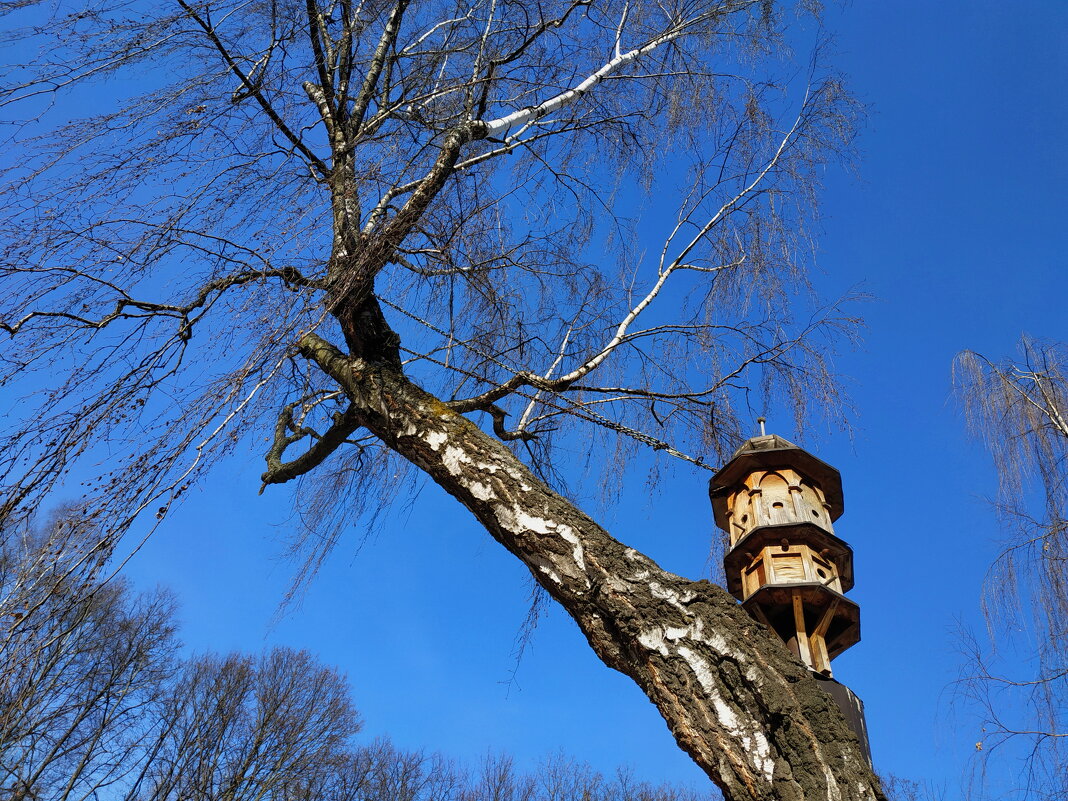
735, 699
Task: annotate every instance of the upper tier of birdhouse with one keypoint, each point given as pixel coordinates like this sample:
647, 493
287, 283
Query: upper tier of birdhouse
769, 482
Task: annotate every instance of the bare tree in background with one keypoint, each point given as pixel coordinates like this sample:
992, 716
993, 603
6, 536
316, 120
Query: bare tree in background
241, 728
383, 772
379, 234
82, 666
1019, 408
97, 704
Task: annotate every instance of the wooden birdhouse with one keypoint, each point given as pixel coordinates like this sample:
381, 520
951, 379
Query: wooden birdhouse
778, 503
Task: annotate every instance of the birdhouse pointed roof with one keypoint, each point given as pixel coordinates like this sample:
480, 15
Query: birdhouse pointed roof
772, 452
765, 442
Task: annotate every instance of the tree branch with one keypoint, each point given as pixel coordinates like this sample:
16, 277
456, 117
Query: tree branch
279, 472
257, 92
772, 735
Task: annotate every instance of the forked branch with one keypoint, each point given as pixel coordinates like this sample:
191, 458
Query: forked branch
287, 433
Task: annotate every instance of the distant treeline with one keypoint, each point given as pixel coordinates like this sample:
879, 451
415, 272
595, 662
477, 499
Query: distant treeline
97, 702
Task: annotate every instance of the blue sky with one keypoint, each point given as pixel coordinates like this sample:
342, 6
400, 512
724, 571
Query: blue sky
954, 225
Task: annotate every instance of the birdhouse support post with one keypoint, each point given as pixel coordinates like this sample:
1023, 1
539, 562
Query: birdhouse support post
801, 637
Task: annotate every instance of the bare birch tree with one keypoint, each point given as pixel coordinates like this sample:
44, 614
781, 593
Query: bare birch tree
1019, 409
95, 701
417, 233
82, 666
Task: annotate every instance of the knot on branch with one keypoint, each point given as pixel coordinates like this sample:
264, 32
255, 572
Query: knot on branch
503, 433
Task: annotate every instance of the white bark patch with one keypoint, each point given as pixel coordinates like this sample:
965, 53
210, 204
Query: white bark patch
833, 793
454, 460
457, 461
755, 745
674, 598
640, 558
653, 639
516, 520
481, 491
617, 584
528, 522
677, 632
552, 574
493, 468
657, 639
569, 534
753, 677
719, 644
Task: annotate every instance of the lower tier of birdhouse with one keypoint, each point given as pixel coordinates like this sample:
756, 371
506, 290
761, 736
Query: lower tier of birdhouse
814, 621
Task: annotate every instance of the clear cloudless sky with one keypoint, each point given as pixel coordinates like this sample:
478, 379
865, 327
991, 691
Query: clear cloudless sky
955, 225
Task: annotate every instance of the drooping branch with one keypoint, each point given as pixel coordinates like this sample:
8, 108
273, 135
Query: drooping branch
1019, 408
126, 306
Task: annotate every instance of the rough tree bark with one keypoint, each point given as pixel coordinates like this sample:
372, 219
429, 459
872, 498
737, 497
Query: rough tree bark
735, 699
